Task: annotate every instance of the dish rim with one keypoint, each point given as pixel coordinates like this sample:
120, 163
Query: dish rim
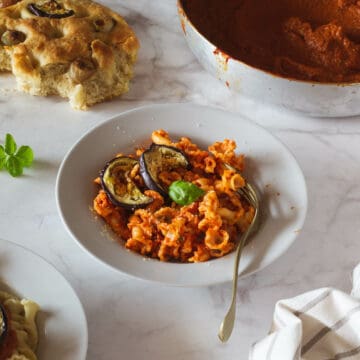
53, 267
124, 114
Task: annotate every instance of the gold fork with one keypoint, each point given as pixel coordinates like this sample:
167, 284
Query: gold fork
249, 194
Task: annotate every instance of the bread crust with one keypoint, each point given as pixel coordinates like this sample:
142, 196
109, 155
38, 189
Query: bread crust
87, 57
6, 3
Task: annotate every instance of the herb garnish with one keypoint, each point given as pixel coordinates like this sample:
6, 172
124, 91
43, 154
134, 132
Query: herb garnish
184, 192
14, 159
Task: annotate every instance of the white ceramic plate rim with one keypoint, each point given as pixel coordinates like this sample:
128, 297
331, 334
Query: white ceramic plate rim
166, 272
49, 333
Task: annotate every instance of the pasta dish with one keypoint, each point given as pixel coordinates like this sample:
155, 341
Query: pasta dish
19, 336
175, 201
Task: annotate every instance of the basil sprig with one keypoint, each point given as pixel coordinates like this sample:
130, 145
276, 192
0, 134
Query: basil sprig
184, 192
14, 159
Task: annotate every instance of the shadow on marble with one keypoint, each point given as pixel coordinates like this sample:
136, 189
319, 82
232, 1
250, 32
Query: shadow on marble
45, 165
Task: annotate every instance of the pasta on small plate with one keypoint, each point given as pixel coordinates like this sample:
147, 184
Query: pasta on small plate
36, 322
138, 227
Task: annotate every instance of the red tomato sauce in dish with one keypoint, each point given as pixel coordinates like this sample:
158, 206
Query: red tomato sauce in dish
313, 40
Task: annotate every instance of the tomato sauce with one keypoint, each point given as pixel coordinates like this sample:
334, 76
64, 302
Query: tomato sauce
314, 40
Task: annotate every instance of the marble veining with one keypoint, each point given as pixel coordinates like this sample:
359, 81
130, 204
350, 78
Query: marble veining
132, 319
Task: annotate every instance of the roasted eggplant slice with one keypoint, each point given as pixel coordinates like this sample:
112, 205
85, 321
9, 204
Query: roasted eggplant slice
50, 9
119, 187
160, 158
3, 324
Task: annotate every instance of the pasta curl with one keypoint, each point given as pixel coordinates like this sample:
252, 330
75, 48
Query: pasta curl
205, 229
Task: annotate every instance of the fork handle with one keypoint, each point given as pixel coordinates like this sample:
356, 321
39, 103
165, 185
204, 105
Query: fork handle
227, 324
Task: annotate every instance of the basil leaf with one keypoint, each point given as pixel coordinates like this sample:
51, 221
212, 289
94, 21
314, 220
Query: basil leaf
184, 192
2, 157
25, 155
2, 163
13, 166
10, 144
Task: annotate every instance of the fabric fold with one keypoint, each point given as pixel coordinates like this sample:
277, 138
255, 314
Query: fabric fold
322, 324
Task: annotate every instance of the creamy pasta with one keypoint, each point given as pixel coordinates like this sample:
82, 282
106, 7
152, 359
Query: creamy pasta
21, 335
204, 229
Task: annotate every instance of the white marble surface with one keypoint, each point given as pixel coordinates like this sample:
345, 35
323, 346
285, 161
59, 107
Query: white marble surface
132, 319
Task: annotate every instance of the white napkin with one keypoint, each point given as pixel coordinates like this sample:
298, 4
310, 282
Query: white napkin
323, 324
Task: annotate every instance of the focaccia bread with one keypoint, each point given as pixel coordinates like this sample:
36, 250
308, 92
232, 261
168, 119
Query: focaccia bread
77, 49
5, 3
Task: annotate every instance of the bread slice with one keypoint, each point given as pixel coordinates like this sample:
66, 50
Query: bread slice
77, 49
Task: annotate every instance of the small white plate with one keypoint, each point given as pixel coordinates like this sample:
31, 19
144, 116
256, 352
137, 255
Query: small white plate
61, 320
270, 166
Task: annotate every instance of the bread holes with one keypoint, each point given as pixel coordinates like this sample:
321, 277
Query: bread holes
55, 33
37, 56
81, 69
12, 37
56, 69
104, 24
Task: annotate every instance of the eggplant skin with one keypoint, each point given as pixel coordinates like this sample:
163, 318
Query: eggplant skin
5, 325
159, 158
129, 200
39, 12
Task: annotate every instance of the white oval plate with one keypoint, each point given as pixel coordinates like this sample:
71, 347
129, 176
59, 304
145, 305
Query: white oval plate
61, 321
270, 166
